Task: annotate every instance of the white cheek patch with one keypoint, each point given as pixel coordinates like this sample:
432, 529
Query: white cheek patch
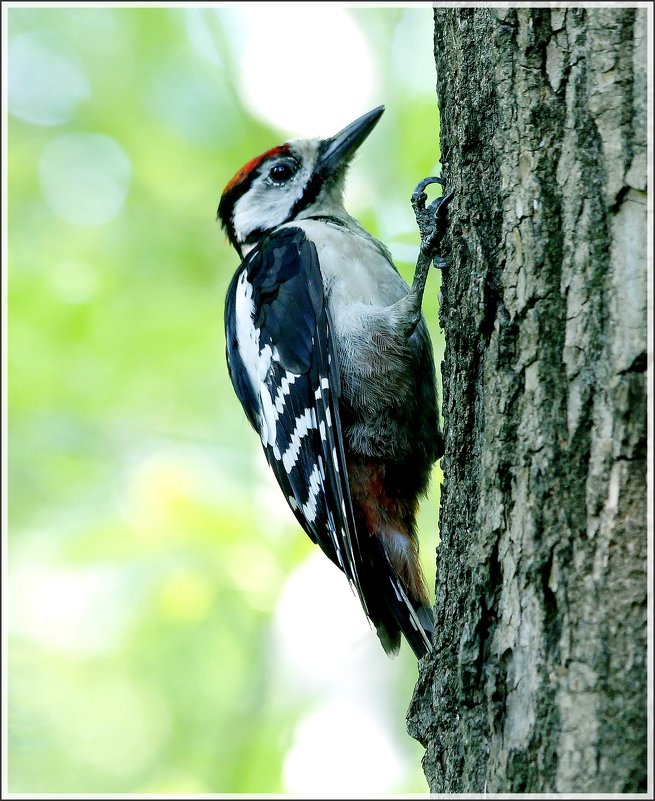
266, 205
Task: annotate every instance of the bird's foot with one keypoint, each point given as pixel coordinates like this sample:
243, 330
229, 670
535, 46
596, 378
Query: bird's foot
431, 220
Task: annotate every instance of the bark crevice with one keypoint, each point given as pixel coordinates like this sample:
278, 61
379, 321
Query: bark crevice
537, 681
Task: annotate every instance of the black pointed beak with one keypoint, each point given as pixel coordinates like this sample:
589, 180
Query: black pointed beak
341, 148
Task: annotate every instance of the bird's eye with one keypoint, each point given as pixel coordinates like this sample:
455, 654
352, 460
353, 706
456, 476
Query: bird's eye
280, 173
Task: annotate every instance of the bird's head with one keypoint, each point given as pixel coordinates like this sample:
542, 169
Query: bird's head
298, 179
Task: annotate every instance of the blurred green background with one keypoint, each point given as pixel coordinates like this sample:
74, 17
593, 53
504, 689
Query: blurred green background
170, 628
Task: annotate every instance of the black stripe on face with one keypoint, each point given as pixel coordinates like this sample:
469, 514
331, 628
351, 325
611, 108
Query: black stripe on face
314, 185
225, 211
308, 197
254, 237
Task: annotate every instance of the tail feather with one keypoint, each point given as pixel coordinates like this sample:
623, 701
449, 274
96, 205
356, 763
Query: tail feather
400, 622
392, 611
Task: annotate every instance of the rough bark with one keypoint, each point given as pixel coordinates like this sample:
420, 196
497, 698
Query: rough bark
537, 682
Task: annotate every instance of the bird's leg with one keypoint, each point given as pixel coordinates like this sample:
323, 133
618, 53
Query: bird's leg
431, 221
432, 227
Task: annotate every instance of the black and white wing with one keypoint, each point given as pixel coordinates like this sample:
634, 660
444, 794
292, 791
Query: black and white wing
283, 365
281, 359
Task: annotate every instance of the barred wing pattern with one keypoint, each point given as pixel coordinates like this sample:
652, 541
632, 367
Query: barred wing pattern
283, 366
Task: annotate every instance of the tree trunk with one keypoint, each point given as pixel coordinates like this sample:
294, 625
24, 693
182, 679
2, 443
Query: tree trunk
537, 682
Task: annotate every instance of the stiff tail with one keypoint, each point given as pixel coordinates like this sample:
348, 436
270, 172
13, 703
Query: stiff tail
393, 612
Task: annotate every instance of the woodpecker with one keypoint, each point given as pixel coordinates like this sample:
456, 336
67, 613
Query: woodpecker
329, 354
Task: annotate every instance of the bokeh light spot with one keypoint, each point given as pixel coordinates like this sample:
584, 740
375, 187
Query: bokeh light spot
45, 84
85, 177
367, 760
279, 39
186, 597
74, 280
70, 609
